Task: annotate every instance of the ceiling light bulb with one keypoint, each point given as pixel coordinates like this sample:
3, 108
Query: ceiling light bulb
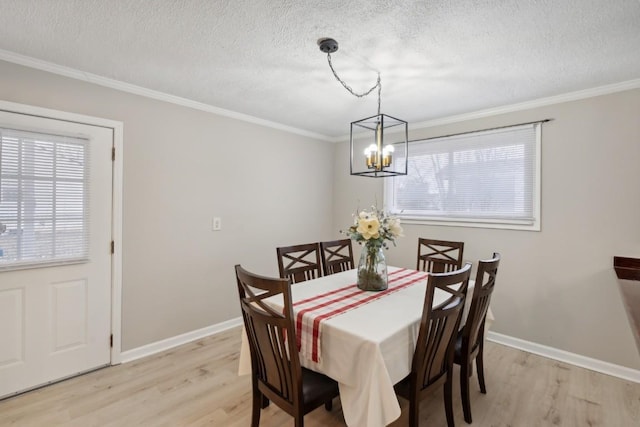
370, 149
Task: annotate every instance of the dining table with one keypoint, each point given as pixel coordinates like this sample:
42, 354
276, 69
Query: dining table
364, 340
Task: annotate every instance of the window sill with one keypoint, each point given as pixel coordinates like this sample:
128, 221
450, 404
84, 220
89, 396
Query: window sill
449, 222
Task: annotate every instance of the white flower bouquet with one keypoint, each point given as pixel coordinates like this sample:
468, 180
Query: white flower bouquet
374, 228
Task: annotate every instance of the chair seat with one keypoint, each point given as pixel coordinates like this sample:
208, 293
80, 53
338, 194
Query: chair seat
402, 388
317, 387
457, 349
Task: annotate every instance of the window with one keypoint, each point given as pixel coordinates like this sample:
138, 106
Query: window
487, 178
43, 199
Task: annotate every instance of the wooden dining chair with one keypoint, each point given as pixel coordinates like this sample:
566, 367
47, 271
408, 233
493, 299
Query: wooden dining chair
299, 262
432, 363
337, 256
275, 364
470, 340
439, 256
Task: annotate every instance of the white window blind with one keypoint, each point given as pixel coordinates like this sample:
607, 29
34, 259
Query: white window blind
484, 178
44, 218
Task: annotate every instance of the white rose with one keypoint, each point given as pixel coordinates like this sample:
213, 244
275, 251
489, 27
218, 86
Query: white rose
395, 228
364, 215
369, 228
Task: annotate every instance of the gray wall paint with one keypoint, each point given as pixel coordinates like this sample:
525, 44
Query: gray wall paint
555, 287
181, 168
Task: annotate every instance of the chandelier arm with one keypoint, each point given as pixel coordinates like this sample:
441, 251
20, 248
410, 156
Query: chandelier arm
379, 91
351, 91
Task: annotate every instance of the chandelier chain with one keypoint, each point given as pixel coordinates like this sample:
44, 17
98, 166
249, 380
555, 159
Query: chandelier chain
351, 91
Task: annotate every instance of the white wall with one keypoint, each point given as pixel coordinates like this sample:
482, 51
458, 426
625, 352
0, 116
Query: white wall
181, 168
555, 287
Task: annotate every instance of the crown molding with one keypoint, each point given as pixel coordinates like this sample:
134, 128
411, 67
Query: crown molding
528, 105
542, 102
28, 61
38, 64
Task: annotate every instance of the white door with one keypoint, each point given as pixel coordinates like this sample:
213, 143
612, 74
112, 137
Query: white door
55, 313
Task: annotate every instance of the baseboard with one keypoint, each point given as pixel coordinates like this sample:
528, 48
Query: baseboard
157, 347
528, 346
567, 357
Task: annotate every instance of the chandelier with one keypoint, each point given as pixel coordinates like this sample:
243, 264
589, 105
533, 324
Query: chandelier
378, 161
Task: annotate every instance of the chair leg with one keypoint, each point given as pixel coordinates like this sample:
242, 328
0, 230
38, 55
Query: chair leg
414, 409
480, 369
298, 419
255, 408
448, 401
464, 390
328, 405
264, 402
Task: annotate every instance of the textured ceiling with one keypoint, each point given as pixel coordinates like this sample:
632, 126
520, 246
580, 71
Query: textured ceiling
437, 58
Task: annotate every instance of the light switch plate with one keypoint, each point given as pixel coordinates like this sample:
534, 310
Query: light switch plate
216, 224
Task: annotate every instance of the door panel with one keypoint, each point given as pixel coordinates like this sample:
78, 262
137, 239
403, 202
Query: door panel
55, 321
69, 321
12, 327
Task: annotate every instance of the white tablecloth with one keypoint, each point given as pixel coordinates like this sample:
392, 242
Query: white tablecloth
368, 349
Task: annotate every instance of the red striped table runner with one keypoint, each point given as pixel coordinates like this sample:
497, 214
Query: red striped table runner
312, 312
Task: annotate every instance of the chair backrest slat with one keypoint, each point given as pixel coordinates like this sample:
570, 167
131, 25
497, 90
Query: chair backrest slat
337, 256
439, 256
299, 262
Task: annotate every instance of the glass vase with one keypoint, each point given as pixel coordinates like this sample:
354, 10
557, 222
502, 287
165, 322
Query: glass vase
372, 269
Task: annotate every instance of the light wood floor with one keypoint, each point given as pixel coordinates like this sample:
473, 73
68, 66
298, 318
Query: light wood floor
196, 385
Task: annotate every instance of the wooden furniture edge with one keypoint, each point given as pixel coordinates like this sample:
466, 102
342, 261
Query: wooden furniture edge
627, 268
